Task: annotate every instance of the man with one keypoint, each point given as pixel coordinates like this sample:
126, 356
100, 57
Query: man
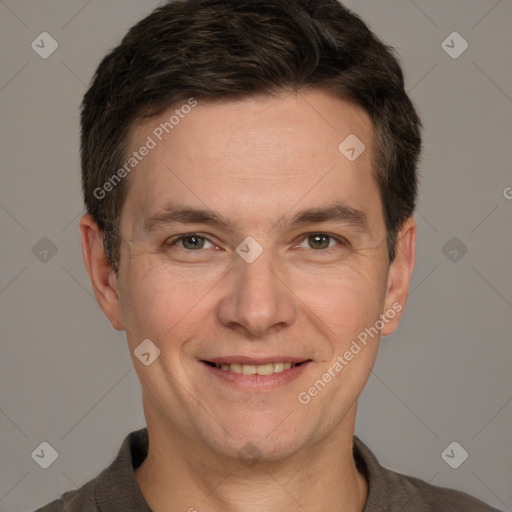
249, 170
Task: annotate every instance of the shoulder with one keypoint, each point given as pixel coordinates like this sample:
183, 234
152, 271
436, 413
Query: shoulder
80, 500
115, 488
396, 492
424, 497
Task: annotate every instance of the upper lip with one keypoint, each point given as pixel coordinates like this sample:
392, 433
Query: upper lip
256, 361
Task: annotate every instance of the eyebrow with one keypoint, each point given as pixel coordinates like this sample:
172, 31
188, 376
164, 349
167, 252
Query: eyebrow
338, 213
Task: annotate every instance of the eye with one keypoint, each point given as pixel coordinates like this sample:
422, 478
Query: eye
190, 241
321, 241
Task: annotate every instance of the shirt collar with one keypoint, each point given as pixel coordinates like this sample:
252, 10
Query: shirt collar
117, 488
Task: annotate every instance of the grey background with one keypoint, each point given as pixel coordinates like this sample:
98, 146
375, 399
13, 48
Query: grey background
66, 376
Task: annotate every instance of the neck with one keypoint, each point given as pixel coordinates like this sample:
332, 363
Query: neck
180, 475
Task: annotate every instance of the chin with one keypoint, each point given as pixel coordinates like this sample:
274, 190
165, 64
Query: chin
257, 440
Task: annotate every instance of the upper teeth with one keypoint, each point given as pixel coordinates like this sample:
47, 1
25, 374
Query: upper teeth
260, 369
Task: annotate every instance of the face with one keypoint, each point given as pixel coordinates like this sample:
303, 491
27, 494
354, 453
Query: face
254, 257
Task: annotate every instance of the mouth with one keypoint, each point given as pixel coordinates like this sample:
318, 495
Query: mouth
255, 375
255, 369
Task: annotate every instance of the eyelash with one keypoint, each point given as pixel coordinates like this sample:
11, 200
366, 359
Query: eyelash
342, 241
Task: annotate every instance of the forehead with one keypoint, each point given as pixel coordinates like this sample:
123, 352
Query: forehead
254, 158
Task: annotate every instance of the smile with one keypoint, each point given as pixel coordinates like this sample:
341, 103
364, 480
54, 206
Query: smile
250, 374
251, 369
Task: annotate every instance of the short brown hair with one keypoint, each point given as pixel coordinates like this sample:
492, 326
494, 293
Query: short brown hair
227, 49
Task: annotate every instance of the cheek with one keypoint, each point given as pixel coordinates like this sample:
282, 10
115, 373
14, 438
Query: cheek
346, 298
350, 303
157, 303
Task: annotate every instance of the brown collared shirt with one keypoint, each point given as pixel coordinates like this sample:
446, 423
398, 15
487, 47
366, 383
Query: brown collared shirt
115, 488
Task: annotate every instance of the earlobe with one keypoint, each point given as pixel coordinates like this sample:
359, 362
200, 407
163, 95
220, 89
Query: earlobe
101, 274
399, 276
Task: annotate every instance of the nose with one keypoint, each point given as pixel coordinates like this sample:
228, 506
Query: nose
257, 299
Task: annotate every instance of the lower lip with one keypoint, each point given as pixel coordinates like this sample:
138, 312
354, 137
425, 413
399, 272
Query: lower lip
256, 382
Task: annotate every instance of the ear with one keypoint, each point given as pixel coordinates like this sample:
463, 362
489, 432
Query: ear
101, 274
399, 276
